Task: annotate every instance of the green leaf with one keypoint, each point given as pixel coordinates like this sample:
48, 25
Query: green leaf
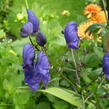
91, 60
43, 105
64, 95
60, 105
99, 52
51, 98
21, 97
95, 27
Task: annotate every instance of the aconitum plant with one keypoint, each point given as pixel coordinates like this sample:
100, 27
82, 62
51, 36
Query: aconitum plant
35, 71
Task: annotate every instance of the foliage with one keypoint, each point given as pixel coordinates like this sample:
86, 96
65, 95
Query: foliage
63, 90
48, 11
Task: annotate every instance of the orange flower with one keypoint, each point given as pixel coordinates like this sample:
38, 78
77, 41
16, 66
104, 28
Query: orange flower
92, 9
94, 15
100, 17
82, 28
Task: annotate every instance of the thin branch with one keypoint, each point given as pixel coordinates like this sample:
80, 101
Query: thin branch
77, 76
104, 7
33, 43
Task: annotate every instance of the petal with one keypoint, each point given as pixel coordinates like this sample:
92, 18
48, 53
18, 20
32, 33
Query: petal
42, 60
34, 20
38, 72
27, 29
73, 45
42, 67
30, 79
34, 87
41, 39
28, 55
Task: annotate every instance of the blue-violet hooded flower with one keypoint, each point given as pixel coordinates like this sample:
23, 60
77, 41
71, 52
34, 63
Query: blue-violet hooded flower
34, 20
41, 39
27, 29
105, 64
42, 67
35, 72
71, 36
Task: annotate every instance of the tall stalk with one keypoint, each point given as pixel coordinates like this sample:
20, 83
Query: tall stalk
77, 76
26, 3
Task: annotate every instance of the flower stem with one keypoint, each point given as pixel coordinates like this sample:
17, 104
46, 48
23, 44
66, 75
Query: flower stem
104, 6
78, 80
26, 2
33, 43
103, 78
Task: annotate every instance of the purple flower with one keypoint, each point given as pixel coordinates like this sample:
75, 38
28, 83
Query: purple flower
28, 55
42, 67
34, 20
35, 72
30, 77
71, 37
105, 64
41, 39
27, 29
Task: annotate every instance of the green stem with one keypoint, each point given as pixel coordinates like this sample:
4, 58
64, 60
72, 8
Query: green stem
26, 2
78, 79
78, 56
55, 79
83, 104
104, 6
69, 69
33, 43
31, 40
66, 79
88, 97
73, 59
101, 82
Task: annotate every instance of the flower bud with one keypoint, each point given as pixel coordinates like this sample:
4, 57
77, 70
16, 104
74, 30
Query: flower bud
34, 20
41, 39
28, 56
19, 16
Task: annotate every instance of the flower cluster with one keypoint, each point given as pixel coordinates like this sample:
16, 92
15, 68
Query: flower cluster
94, 14
99, 17
92, 9
71, 36
32, 28
34, 71
82, 28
